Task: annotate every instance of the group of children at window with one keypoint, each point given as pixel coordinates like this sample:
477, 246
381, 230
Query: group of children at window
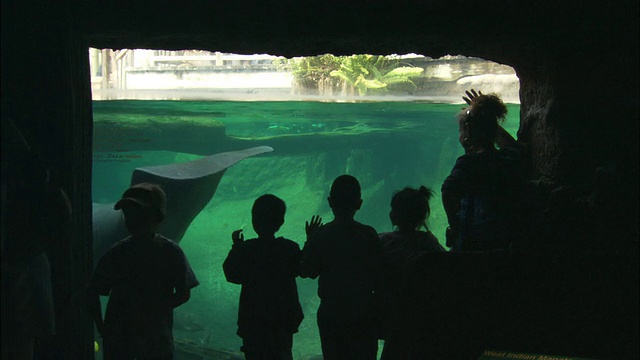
357, 268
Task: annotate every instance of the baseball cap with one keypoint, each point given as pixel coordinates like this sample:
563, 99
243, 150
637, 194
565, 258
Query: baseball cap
145, 194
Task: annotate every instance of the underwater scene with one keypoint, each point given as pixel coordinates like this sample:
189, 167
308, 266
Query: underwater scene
386, 145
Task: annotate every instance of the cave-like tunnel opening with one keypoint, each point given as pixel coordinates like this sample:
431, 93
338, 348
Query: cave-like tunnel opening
575, 295
390, 121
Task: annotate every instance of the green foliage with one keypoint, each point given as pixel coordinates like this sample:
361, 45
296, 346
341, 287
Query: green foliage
377, 73
310, 71
365, 73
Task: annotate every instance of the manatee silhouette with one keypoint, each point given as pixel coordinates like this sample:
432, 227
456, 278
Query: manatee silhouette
189, 187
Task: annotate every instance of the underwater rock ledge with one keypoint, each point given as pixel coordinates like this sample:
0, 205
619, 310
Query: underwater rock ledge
207, 138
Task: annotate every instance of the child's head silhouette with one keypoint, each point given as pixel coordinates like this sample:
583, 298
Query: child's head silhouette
143, 206
410, 208
267, 215
345, 194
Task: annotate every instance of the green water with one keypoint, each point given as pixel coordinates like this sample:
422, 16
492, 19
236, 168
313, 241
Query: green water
420, 147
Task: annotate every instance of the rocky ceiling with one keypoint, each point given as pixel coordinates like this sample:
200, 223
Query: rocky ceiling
495, 29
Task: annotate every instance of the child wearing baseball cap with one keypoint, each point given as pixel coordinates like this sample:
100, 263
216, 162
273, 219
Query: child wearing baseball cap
145, 276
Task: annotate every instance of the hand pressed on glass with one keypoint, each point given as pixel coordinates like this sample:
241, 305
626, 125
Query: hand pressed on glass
315, 224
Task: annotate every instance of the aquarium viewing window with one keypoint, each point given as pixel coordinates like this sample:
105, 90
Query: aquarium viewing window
389, 120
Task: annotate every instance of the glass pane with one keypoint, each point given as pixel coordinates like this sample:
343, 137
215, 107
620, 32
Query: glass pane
388, 120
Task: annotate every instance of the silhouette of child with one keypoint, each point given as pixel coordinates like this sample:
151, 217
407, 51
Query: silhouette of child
346, 256
269, 312
145, 276
409, 212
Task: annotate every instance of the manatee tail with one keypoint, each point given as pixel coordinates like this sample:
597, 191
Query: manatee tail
189, 186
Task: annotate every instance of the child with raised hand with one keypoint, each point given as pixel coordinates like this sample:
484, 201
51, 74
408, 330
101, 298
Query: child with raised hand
266, 267
346, 256
482, 194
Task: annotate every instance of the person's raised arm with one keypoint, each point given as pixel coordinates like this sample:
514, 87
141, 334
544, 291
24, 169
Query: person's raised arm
234, 266
310, 257
504, 139
311, 227
471, 95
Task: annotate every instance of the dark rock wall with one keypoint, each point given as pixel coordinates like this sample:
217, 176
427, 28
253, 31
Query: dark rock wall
46, 93
577, 63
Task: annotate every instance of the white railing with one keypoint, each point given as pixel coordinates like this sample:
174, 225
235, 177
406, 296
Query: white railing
218, 58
